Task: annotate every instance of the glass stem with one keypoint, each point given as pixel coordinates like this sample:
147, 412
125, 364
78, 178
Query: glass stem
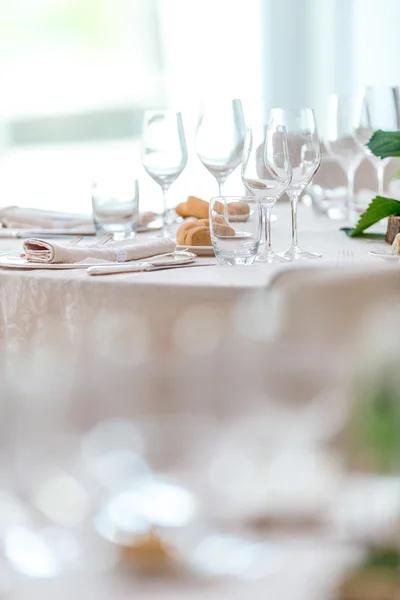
350, 191
165, 207
380, 171
267, 223
220, 187
294, 198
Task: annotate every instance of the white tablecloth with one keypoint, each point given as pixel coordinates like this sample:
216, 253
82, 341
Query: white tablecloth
72, 301
151, 327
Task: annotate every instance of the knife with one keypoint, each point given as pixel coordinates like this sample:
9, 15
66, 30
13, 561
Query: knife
139, 268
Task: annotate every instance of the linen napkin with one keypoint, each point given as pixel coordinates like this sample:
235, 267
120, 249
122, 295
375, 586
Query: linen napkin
27, 218
15, 216
48, 251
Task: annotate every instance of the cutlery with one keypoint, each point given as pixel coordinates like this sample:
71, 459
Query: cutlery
345, 257
139, 267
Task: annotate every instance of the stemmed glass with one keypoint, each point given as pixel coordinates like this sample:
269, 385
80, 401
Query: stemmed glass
266, 173
164, 153
305, 158
220, 138
378, 108
340, 141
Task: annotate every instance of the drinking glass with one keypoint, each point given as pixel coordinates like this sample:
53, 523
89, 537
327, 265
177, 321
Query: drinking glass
340, 141
305, 158
164, 154
235, 228
115, 206
266, 173
378, 108
220, 138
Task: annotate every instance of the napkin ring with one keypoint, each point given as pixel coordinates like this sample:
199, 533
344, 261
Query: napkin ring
120, 255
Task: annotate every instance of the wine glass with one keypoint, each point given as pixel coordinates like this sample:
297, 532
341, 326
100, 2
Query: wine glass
219, 139
340, 141
266, 173
378, 108
305, 158
164, 153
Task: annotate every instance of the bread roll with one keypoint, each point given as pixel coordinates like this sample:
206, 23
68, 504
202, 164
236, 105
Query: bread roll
223, 230
197, 233
238, 208
198, 236
234, 208
182, 231
193, 207
186, 226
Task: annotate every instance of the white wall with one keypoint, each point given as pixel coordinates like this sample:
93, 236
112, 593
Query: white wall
377, 47
308, 52
211, 49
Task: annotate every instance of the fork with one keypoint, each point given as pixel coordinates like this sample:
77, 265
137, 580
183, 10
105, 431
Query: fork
345, 257
103, 240
75, 240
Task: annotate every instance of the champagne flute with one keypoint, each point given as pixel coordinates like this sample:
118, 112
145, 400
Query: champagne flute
219, 139
378, 108
164, 154
340, 141
305, 158
266, 173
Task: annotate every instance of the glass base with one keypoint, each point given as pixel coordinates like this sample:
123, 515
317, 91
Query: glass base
271, 257
297, 253
235, 261
165, 232
168, 219
118, 231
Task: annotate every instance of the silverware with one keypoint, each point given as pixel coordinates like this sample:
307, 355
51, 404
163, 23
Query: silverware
76, 240
175, 254
345, 257
103, 240
139, 267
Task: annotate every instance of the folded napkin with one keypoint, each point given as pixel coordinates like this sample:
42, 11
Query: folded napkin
26, 218
14, 216
43, 251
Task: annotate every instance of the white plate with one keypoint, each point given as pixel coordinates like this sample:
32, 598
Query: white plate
385, 255
243, 235
199, 250
14, 261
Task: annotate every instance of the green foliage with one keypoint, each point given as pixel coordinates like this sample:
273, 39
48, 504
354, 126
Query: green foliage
379, 209
385, 144
378, 423
382, 559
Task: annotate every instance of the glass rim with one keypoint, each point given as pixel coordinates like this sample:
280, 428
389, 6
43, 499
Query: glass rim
244, 197
157, 111
301, 108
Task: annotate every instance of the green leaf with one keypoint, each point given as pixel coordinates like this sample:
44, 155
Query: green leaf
377, 237
385, 144
382, 559
379, 209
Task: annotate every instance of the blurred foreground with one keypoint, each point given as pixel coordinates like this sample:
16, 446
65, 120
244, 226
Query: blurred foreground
258, 463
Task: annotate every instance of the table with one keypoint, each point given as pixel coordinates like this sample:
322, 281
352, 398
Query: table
70, 299
151, 329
